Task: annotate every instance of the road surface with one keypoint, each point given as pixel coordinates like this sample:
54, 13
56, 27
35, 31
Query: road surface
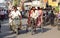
48, 31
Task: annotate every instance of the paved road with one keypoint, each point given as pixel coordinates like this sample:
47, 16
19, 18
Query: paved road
49, 32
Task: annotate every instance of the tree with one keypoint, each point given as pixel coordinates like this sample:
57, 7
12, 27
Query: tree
15, 2
57, 9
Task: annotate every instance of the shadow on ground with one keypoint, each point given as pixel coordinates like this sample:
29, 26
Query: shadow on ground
6, 34
43, 30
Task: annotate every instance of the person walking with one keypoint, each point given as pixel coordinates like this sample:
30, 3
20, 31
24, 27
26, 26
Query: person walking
40, 17
52, 16
34, 15
16, 18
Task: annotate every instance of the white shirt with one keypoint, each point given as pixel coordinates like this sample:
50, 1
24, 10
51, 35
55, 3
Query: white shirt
15, 14
35, 15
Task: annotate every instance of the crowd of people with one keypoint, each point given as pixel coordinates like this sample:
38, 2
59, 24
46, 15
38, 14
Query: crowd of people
49, 16
36, 16
3, 15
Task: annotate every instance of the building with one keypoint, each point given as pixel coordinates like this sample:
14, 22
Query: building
53, 3
3, 4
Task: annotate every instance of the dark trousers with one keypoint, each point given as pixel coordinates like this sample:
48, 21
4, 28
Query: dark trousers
0, 26
2, 17
52, 21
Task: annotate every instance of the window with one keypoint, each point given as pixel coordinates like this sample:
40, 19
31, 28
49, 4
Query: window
28, 0
54, 0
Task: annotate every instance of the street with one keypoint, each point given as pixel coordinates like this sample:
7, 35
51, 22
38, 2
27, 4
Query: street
48, 31
38, 11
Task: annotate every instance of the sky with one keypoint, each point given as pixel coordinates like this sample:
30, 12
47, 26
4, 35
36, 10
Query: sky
1, 1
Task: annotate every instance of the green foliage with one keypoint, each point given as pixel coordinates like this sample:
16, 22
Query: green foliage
15, 2
57, 9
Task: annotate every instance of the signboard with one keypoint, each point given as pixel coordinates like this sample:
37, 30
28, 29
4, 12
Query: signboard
27, 5
52, 3
2, 1
45, 1
36, 3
